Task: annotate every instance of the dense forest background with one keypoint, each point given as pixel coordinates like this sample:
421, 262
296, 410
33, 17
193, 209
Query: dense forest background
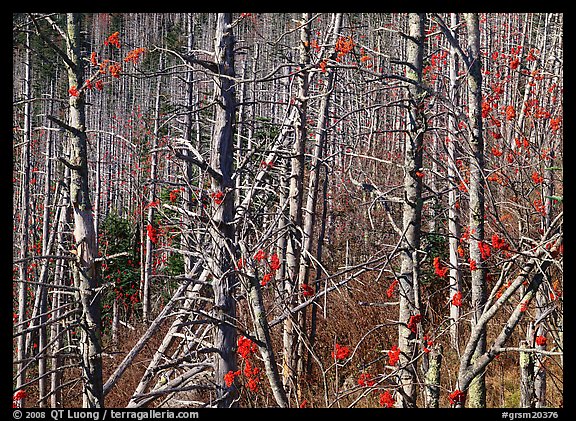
288, 209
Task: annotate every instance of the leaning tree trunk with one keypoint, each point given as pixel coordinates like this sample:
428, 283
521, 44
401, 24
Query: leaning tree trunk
39, 320
472, 365
477, 392
59, 299
412, 213
314, 180
262, 334
222, 228
84, 269
189, 122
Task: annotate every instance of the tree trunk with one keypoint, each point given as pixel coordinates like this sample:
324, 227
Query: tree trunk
222, 228
59, 299
24, 224
148, 262
541, 298
293, 254
433, 377
39, 317
319, 248
84, 270
477, 392
453, 213
187, 237
314, 180
526, 377
262, 334
412, 213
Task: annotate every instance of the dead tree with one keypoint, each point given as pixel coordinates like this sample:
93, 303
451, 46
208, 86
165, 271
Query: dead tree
477, 392
409, 312
85, 248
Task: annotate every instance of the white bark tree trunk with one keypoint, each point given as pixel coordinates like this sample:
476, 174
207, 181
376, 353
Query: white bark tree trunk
453, 213
477, 392
412, 214
293, 253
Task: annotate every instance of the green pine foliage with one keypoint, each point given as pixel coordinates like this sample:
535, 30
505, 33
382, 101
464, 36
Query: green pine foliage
120, 274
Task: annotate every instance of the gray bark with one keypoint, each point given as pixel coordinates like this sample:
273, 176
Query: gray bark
293, 255
262, 330
472, 364
316, 164
41, 300
154, 326
433, 377
453, 213
309, 214
147, 272
84, 236
262, 334
58, 299
411, 211
222, 228
477, 392
526, 378
321, 239
24, 224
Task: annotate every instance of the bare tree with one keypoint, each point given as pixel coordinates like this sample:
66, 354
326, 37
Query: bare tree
222, 228
24, 222
434, 139
409, 311
453, 213
477, 392
295, 200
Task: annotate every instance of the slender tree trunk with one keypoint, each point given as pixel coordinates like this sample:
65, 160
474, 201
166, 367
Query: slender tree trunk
539, 368
540, 378
24, 223
412, 214
453, 213
148, 262
293, 255
281, 242
262, 334
41, 295
98, 189
59, 299
309, 215
187, 237
42, 289
316, 164
321, 239
477, 392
